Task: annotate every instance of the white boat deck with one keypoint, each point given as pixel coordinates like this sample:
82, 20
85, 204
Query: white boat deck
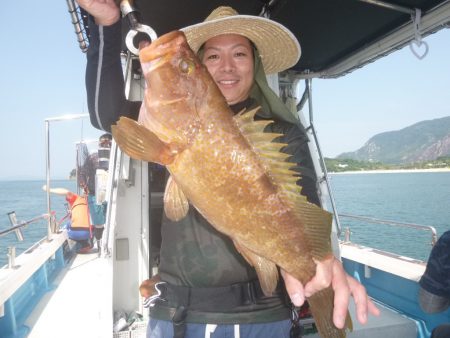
26, 265
398, 265
389, 324
80, 304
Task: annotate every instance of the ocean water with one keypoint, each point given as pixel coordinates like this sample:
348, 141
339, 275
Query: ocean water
28, 200
419, 197
408, 197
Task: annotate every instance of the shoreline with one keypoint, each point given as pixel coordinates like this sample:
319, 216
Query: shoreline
391, 171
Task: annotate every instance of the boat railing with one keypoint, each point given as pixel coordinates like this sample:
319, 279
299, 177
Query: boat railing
420, 227
17, 227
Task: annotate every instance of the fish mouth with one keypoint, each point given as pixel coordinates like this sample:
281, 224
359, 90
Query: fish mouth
163, 47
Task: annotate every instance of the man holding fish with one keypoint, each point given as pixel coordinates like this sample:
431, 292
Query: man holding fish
209, 254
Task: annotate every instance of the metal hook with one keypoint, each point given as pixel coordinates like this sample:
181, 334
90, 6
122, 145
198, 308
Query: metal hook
418, 47
416, 24
136, 27
133, 32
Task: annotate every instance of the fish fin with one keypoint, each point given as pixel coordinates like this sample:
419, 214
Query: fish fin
140, 143
317, 226
322, 304
176, 205
274, 161
266, 270
254, 130
317, 222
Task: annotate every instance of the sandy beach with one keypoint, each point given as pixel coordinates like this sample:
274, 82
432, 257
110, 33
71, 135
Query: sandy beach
393, 171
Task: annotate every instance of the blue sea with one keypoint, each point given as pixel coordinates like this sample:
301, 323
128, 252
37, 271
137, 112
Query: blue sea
417, 197
407, 197
28, 200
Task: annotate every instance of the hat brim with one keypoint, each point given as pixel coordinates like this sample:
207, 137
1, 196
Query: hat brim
278, 47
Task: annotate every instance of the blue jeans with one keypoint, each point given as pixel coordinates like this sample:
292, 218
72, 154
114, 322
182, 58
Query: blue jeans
164, 329
97, 211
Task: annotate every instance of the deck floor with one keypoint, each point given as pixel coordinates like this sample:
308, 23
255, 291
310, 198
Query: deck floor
77, 294
389, 324
74, 297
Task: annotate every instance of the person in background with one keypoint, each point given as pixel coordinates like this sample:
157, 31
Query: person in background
193, 254
79, 228
434, 292
90, 175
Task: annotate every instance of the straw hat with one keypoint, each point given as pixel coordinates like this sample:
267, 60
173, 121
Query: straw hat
278, 47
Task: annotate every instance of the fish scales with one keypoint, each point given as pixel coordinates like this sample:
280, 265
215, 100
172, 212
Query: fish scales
224, 166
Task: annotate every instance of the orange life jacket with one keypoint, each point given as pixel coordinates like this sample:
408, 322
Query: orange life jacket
80, 214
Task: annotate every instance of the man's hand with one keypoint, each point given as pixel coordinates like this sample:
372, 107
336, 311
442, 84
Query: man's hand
331, 272
105, 12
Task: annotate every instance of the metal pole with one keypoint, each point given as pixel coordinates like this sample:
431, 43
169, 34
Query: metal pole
308, 83
47, 157
430, 228
11, 257
394, 7
47, 171
17, 226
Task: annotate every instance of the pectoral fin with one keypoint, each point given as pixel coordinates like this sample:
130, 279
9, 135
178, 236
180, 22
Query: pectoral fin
140, 143
176, 205
266, 270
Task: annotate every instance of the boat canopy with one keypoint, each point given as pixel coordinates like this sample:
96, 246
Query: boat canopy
336, 36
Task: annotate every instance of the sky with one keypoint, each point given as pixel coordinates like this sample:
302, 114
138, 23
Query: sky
42, 76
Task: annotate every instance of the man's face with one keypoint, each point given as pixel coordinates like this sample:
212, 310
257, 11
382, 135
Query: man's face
229, 59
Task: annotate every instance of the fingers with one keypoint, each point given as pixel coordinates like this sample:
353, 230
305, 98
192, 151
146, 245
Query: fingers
332, 271
341, 294
364, 304
373, 308
294, 288
344, 286
105, 12
322, 278
361, 299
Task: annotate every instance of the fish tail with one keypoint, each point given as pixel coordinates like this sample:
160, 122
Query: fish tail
322, 304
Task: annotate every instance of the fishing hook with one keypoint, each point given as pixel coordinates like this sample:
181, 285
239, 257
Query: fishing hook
136, 27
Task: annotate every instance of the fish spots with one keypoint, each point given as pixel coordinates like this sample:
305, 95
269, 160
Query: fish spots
237, 157
241, 165
274, 206
210, 128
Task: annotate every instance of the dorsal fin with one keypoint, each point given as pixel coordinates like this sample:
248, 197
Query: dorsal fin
317, 222
270, 153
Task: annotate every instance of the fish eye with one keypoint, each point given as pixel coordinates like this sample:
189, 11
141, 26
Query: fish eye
186, 66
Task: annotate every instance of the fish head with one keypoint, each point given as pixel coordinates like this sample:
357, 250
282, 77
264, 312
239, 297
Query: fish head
176, 84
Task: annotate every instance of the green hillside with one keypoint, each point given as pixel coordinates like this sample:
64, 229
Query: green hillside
421, 142
342, 165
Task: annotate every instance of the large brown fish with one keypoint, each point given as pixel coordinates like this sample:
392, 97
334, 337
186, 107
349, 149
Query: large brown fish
227, 168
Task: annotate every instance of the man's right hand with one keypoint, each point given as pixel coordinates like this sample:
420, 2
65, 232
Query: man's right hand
105, 12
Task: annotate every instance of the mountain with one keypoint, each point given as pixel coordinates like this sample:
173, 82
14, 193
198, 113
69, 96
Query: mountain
423, 141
